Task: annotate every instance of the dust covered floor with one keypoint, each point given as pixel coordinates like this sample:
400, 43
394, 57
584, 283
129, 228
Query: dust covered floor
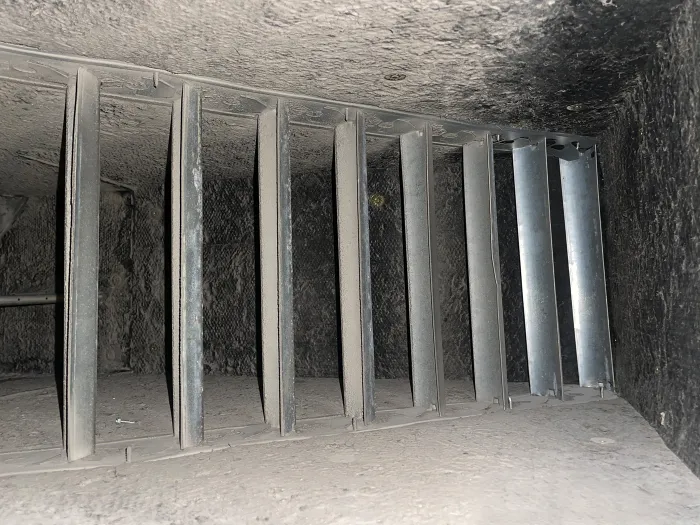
133, 406
594, 462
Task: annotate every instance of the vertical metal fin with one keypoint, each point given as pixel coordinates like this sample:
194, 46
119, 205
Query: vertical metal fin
175, 235
68, 198
537, 268
267, 228
584, 243
485, 299
365, 275
190, 246
422, 269
354, 272
81, 259
285, 288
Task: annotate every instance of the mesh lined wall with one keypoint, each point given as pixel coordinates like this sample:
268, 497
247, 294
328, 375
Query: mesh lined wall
28, 265
229, 277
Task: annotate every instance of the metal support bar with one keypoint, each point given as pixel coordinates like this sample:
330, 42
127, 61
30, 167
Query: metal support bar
584, 243
284, 260
30, 299
352, 209
189, 246
537, 268
422, 269
175, 233
485, 299
81, 259
275, 216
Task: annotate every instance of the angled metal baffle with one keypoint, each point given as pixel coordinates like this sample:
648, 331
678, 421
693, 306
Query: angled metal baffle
483, 262
584, 243
275, 231
186, 236
81, 263
537, 267
352, 210
425, 338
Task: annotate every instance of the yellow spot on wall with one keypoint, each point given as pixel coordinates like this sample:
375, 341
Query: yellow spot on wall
377, 200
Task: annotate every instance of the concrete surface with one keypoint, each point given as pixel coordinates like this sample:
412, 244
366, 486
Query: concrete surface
594, 463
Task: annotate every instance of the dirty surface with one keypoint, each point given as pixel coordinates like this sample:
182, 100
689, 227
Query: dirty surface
547, 64
593, 463
133, 272
544, 64
555, 64
29, 404
650, 198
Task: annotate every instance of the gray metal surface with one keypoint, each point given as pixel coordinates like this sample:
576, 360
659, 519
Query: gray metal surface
68, 199
365, 274
352, 216
485, 299
285, 288
537, 268
425, 338
269, 276
584, 243
175, 253
81, 249
29, 299
434, 272
191, 368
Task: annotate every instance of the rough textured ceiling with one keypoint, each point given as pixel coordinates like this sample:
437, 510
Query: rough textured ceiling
540, 64
554, 64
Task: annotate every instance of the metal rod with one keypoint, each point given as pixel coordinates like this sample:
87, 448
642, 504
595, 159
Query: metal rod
82, 186
191, 365
421, 269
284, 282
537, 268
485, 299
352, 216
30, 299
584, 243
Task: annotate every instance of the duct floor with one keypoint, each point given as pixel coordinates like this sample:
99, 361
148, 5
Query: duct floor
30, 416
589, 462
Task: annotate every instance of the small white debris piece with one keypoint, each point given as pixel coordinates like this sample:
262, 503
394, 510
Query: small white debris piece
120, 420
